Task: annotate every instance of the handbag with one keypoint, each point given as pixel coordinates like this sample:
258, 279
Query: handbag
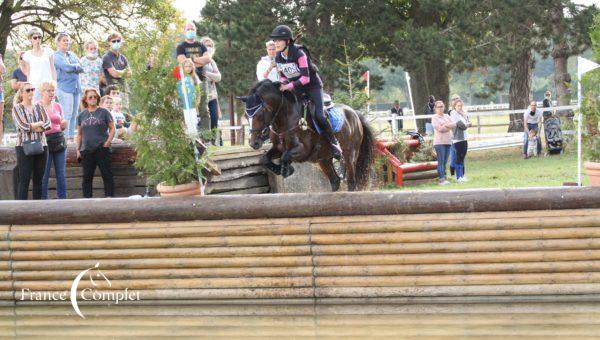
33, 147
56, 142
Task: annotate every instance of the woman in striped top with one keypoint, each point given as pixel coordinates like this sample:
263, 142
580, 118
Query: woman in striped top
31, 122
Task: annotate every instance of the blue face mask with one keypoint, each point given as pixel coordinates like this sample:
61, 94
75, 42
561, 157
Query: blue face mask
116, 46
190, 35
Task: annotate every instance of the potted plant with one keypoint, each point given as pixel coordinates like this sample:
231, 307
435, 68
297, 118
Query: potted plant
590, 112
165, 152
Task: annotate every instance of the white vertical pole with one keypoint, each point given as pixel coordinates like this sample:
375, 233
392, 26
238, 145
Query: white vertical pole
579, 95
412, 105
394, 125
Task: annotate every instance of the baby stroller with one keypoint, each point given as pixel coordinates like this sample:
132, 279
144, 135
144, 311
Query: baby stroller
554, 141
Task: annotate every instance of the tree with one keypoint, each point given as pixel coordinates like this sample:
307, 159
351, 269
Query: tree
570, 34
80, 16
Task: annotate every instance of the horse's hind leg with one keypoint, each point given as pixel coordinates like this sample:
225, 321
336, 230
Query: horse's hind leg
351, 171
327, 168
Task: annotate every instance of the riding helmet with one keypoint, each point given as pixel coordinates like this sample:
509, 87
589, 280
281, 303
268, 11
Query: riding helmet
282, 32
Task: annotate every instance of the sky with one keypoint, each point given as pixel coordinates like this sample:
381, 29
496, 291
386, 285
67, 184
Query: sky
191, 8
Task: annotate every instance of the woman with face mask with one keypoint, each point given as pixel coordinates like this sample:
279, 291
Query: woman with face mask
92, 75
211, 72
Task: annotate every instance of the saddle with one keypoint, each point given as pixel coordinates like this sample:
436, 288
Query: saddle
332, 114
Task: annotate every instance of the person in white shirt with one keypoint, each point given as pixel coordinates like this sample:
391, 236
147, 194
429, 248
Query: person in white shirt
39, 62
266, 69
532, 118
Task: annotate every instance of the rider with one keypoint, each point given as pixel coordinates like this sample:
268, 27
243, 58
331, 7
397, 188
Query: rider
298, 74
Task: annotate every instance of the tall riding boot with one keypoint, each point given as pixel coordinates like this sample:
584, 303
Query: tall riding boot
335, 144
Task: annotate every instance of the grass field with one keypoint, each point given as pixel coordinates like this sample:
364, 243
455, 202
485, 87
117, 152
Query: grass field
505, 168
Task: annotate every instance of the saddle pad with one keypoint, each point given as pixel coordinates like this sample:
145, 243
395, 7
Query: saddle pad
336, 119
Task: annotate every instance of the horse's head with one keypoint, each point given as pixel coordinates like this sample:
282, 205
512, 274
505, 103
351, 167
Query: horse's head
262, 104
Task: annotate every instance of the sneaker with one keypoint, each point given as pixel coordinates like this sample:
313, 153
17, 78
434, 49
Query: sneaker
462, 180
444, 182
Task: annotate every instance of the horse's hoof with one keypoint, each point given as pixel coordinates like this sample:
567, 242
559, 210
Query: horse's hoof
339, 167
287, 171
275, 168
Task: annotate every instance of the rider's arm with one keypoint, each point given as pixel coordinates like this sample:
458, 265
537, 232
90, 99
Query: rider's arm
304, 73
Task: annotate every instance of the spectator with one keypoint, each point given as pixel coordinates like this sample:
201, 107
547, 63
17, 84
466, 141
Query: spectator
18, 76
31, 122
106, 102
113, 91
57, 145
95, 131
442, 138
532, 143
531, 120
92, 75
453, 101
116, 67
118, 118
547, 105
192, 49
68, 69
429, 110
266, 67
152, 58
39, 62
186, 88
211, 72
396, 109
459, 141
2, 72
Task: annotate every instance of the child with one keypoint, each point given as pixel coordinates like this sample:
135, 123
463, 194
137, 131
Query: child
119, 118
186, 88
532, 143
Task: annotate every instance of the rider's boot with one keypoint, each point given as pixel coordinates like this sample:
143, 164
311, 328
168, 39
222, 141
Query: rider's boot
335, 145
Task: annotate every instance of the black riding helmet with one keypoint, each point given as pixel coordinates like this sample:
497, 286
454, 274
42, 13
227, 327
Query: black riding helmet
282, 32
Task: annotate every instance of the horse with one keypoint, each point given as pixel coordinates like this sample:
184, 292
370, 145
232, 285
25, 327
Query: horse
279, 116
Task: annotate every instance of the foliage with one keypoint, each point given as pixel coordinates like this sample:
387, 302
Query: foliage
426, 153
400, 150
590, 109
84, 19
358, 101
165, 153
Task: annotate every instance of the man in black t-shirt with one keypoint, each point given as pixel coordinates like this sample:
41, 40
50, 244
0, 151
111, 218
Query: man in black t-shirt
190, 48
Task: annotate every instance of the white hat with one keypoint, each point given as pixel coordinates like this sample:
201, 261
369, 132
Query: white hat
327, 102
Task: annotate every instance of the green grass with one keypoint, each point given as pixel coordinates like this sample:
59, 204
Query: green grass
505, 168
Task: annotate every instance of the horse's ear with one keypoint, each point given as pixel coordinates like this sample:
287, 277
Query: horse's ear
242, 98
276, 84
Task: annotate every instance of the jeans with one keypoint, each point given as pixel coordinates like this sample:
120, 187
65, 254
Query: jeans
70, 106
442, 151
213, 109
526, 138
28, 166
60, 163
452, 159
461, 152
428, 128
89, 160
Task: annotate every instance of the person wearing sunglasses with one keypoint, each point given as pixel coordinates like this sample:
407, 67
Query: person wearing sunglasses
68, 69
31, 122
116, 66
95, 132
443, 127
39, 62
18, 75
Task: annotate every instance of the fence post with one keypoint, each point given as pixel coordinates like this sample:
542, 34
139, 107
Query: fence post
394, 125
478, 124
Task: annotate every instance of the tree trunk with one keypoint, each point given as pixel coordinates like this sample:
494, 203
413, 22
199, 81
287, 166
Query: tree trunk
6, 11
519, 94
560, 54
431, 79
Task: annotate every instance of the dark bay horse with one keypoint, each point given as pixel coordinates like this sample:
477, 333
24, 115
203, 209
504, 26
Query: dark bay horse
279, 115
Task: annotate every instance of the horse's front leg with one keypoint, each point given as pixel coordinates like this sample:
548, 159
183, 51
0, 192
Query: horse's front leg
286, 164
267, 159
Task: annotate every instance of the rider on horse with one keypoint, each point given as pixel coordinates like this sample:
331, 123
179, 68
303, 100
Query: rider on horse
298, 74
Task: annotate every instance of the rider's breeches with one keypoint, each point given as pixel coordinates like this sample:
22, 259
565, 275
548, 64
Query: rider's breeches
316, 96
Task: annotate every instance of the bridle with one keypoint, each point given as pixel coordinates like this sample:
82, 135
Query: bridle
264, 132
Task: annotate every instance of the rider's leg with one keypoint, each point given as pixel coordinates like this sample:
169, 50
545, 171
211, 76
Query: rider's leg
316, 95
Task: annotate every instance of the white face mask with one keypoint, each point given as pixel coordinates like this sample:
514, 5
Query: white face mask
92, 55
211, 50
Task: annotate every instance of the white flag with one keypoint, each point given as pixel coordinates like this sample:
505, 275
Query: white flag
585, 65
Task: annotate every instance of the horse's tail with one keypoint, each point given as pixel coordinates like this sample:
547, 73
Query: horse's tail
366, 155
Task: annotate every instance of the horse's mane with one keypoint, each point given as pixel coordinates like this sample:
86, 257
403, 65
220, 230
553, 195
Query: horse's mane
268, 87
